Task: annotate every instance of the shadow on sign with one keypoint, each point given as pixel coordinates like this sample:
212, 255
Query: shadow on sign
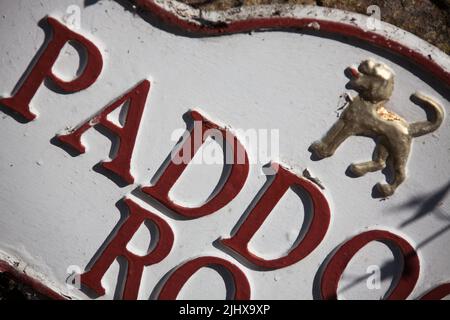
391, 269
424, 205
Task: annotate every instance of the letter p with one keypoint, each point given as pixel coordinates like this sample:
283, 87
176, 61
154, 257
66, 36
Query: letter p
42, 69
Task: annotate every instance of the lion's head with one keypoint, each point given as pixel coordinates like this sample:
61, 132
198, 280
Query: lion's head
373, 80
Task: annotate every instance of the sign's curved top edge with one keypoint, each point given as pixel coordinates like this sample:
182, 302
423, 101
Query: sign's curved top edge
313, 18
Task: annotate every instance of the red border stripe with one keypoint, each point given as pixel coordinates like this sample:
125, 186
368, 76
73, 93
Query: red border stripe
333, 27
29, 281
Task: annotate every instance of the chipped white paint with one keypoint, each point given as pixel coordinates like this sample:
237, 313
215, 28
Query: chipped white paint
57, 211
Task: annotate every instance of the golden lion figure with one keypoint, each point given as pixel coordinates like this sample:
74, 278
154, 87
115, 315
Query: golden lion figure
366, 115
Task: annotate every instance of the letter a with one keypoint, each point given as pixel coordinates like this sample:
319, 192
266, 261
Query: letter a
121, 163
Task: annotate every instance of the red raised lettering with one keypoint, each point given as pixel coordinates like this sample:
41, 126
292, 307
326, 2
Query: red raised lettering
176, 281
318, 226
121, 163
117, 248
20, 101
339, 261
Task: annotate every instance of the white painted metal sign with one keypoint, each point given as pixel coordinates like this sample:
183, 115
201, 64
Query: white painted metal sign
153, 151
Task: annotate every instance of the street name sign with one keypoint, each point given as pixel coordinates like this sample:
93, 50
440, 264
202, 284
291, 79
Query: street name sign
151, 150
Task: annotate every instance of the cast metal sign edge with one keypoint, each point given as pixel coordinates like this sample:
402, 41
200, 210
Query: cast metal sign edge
279, 17
32, 281
310, 18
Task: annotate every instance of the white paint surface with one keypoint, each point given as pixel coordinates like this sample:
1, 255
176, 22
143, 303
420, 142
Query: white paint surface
56, 211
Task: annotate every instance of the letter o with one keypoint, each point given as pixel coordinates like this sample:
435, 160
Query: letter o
336, 266
176, 281
438, 293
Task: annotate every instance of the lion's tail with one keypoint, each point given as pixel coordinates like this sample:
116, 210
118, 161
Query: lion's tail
435, 117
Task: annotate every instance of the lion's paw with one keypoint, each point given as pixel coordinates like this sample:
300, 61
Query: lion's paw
385, 190
320, 149
357, 170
